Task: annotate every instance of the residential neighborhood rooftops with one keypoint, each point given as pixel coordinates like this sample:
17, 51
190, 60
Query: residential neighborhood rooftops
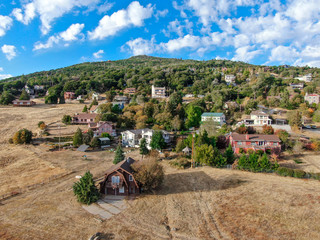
211, 114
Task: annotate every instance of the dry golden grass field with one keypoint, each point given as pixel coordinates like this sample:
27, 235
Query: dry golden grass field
202, 203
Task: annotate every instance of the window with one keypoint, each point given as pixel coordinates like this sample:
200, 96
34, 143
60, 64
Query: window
261, 143
121, 190
115, 179
239, 143
130, 178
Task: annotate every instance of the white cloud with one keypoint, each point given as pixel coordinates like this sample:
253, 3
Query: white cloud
5, 24
9, 51
243, 54
29, 13
73, 33
177, 27
134, 15
49, 10
210, 11
1, 69
160, 13
283, 54
188, 41
4, 76
105, 7
98, 54
141, 46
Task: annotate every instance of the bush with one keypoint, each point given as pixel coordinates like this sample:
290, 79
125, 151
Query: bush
66, 119
40, 123
180, 163
315, 176
149, 174
22, 136
285, 172
297, 173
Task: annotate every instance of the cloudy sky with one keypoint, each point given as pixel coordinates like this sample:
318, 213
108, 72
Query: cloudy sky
40, 35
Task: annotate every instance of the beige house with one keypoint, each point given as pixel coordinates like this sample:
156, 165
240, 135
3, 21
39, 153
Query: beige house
158, 92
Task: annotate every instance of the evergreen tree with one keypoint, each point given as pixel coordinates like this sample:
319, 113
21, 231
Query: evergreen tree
77, 138
229, 155
143, 147
85, 189
24, 95
95, 142
6, 98
85, 109
157, 141
119, 156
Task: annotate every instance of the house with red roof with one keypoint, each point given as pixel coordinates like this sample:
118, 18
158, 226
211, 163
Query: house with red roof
84, 118
254, 142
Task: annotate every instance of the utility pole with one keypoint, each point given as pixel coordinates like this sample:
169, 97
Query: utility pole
192, 153
59, 127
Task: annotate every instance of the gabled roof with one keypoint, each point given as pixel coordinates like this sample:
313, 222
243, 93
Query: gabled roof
212, 114
83, 148
125, 165
259, 113
86, 115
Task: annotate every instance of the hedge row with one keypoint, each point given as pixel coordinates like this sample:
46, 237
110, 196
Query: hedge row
297, 173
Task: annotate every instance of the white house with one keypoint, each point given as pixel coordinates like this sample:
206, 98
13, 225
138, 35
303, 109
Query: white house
96, 96
158, 92
305, 78
312, 98
258, 118
299, 86
132, 138
219, 118
230, 78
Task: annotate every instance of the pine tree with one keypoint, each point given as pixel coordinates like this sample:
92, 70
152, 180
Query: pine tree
85, 109
24, 95
229, 155
85, 189
119, 156
143, 147
77, 138
95, 142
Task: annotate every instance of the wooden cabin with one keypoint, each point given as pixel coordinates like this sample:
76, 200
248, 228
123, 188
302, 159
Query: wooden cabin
119, 180
23, 103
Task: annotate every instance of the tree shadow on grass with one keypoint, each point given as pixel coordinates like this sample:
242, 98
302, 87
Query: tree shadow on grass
198, 181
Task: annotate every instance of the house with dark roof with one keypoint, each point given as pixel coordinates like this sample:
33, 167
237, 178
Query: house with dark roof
119, 180
216, 117
255, 142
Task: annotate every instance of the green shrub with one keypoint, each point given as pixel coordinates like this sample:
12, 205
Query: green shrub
299, 173
180, 163
315, 176
286, 172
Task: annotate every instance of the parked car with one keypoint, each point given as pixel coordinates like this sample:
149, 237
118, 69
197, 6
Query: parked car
308, 127
313, 126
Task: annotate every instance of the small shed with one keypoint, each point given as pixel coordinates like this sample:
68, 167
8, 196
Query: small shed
105, 142
83, 148
187, 151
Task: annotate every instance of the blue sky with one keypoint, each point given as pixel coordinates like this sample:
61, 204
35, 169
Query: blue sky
40, 35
